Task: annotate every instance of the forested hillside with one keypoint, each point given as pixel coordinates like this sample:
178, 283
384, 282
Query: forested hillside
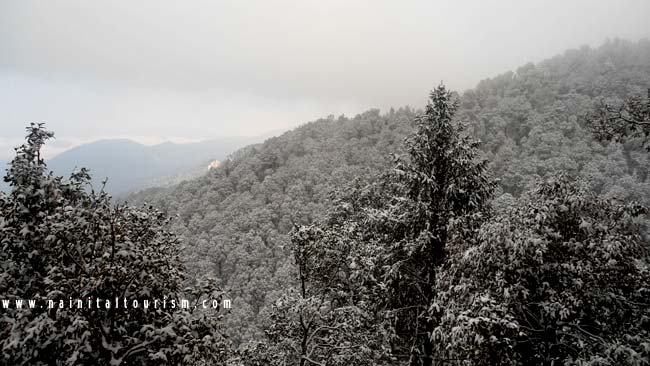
235, 222
531, 121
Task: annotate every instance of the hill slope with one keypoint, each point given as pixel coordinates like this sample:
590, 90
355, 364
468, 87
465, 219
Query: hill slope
236, 219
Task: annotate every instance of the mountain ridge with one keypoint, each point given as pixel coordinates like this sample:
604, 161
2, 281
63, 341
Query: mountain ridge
130, 166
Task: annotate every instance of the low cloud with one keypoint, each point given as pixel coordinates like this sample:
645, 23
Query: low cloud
204, 69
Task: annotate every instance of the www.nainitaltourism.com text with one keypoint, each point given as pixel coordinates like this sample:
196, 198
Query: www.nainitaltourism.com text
117, 303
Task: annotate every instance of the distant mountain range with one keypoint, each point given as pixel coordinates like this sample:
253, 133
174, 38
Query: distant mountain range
129, 165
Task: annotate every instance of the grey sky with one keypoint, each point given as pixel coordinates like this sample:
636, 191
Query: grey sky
188, 70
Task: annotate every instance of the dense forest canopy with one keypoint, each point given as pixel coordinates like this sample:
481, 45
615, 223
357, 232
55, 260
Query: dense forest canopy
419, 268
236, 221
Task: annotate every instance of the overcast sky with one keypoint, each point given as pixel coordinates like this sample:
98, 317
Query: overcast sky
188, 70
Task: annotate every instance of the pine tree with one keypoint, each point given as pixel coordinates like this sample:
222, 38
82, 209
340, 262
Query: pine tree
440, 194
378, 251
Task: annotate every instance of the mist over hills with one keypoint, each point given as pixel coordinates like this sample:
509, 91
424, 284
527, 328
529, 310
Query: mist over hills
236, 221
325, 183
128, 165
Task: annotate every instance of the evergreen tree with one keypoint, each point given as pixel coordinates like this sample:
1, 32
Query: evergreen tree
63, 242
439, 195
380, 248
561, 278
